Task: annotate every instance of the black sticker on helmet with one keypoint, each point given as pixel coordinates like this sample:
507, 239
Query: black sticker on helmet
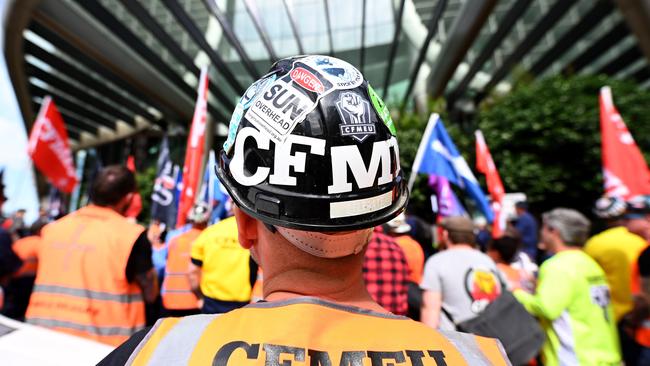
355, 116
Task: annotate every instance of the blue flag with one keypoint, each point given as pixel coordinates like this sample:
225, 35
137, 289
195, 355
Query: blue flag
163, 205
437, 154
212, 192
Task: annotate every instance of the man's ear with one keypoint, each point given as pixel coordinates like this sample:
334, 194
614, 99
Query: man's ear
246, 228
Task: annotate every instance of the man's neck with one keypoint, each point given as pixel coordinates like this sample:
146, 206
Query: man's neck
459, 246
343, 288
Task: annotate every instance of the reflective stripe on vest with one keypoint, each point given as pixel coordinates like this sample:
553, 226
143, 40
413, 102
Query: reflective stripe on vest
102, 331
87, 294
309, 331
471, 350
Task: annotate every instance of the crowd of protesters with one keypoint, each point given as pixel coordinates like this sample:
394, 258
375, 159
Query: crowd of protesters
590, 295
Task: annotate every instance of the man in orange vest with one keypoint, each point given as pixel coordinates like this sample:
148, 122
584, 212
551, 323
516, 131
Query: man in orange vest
178, 299
94, 267
312, 165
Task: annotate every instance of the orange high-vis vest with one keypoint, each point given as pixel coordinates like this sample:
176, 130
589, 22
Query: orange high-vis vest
176, 290
27, 249
414, 256
309, 331
81, 286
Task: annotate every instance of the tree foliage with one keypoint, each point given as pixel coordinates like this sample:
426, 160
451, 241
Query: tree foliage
545, 137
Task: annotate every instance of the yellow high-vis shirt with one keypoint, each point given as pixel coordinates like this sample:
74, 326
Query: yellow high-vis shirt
226, 265
616, 250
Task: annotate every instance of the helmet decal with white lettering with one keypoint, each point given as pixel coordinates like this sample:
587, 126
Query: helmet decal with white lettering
307, 151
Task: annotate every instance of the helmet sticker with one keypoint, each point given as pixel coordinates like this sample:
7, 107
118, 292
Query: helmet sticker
250, 95
279, 109
382, 110
255, 90
339, 72
355, 114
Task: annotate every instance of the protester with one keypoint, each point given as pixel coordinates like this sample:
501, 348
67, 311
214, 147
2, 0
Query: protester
616, 250
399, 230
20, 287
459, 281
639, 318
9, 261
422, 232
178, 298
526, 225
572, 297
222, 273
306, 221
504, 251
386, 273
94, 267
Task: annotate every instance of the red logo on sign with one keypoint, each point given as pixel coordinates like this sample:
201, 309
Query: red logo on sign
307, 80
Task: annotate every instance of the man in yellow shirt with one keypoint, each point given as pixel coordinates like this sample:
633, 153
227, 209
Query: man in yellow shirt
616, 250
222, 272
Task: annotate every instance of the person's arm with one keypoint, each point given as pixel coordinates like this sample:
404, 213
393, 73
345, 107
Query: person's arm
196, 266
553, 294
194, 276
430, 311
139, 269
148, 283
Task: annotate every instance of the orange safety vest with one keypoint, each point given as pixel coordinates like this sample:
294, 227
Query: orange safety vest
176, 290
27, 249
414, 256
81, 286
309, 331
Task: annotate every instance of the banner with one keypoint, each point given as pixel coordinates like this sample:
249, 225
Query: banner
437, 154
163, 197
624, 168
49, 149
447, 203
195, 151
485, 165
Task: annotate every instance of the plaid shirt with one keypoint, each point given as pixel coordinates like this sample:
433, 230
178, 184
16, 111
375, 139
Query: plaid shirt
386, 272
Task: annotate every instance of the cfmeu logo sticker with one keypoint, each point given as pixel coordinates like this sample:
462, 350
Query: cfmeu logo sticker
483, 287
339, 72
355, 114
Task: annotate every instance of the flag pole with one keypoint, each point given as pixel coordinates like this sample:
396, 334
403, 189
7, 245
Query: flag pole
421, 149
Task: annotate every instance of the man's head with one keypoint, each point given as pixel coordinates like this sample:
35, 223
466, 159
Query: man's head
637, 216
199, 215
504, 249
113, 187
564, 227
312, 158
521, 207
457, 230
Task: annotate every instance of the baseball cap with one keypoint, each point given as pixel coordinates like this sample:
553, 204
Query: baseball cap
458, 224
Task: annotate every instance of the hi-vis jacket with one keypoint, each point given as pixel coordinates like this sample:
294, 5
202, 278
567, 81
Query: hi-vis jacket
309, 331
81, 286
176, 290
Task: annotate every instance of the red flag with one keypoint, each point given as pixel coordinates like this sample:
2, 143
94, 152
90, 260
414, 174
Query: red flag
49, 149
485, 165
195, 151
624, 168
136, 202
